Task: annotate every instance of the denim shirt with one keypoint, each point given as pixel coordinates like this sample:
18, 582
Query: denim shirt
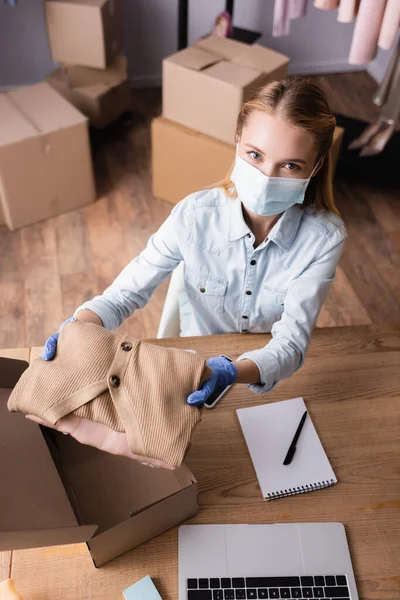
278, 287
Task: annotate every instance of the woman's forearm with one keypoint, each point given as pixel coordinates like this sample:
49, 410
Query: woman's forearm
88, 316
247, 371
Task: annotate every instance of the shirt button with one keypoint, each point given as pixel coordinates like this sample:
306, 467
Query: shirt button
126, 346
202, 290
245, 317
115, 381
253, 262
248, 292
249, 235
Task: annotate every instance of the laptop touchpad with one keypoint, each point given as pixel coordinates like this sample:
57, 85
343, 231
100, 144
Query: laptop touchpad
269, 549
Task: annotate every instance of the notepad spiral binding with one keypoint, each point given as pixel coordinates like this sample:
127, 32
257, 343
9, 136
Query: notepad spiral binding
301, 489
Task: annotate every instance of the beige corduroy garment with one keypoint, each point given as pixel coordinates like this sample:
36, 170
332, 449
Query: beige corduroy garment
130, 386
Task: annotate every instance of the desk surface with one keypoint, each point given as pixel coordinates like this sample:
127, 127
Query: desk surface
350, 381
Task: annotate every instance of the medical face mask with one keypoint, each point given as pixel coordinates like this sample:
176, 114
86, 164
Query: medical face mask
267, 196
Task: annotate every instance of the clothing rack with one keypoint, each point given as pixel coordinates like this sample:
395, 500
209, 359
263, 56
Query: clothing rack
242, 35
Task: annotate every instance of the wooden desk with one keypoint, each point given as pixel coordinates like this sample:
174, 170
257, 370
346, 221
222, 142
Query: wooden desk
351, 384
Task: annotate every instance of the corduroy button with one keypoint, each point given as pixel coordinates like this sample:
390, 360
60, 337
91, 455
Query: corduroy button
126, 346
115, 381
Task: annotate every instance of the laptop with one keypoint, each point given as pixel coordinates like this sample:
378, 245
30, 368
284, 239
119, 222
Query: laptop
289, 560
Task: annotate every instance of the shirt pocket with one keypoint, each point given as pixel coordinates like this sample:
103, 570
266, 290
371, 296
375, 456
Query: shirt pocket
274, 302
208, 290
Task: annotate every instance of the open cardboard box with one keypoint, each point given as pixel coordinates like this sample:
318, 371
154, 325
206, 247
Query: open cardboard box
56, 491
205, 85
101, 95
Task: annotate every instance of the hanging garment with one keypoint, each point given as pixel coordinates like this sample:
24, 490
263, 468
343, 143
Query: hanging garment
347, 10
128, 386
326, 4
390, 108
390, 25
376, 136
281, 20
297, 9
382, 92
284, 11
366, 31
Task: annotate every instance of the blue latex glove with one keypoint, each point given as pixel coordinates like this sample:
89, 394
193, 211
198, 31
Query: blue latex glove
224, 373
50, 346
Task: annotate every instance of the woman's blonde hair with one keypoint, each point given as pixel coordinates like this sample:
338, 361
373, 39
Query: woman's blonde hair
301, 103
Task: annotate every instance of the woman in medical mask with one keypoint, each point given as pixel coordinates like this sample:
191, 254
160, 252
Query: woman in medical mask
260, 249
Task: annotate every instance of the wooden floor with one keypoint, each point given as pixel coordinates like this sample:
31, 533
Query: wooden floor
48, 269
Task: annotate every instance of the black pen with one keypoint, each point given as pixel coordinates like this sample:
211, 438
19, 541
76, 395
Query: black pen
292, 447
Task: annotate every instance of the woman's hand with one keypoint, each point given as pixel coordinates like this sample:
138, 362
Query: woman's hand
224, 373
50, 347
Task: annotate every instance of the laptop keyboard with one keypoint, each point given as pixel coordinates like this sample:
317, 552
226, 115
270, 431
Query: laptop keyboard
329, 587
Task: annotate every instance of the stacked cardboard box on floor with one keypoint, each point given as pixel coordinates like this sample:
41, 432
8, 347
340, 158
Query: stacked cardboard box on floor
204, 87
86, 38
84, 32
101, 95
45, 161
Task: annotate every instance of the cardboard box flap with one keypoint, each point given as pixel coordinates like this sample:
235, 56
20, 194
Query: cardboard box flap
33, 503
95, 91
185, 476
14, 127
44, 108
193, 58
94, 3
234, 74
261, 59
18, 540
69, 78
79, 77
222, 47
10, 371
59, 76
32, 496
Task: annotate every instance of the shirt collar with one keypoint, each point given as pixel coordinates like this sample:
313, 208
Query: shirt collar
237, 225
282, 233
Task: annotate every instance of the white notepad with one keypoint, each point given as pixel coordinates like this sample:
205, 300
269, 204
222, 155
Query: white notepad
268, 431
